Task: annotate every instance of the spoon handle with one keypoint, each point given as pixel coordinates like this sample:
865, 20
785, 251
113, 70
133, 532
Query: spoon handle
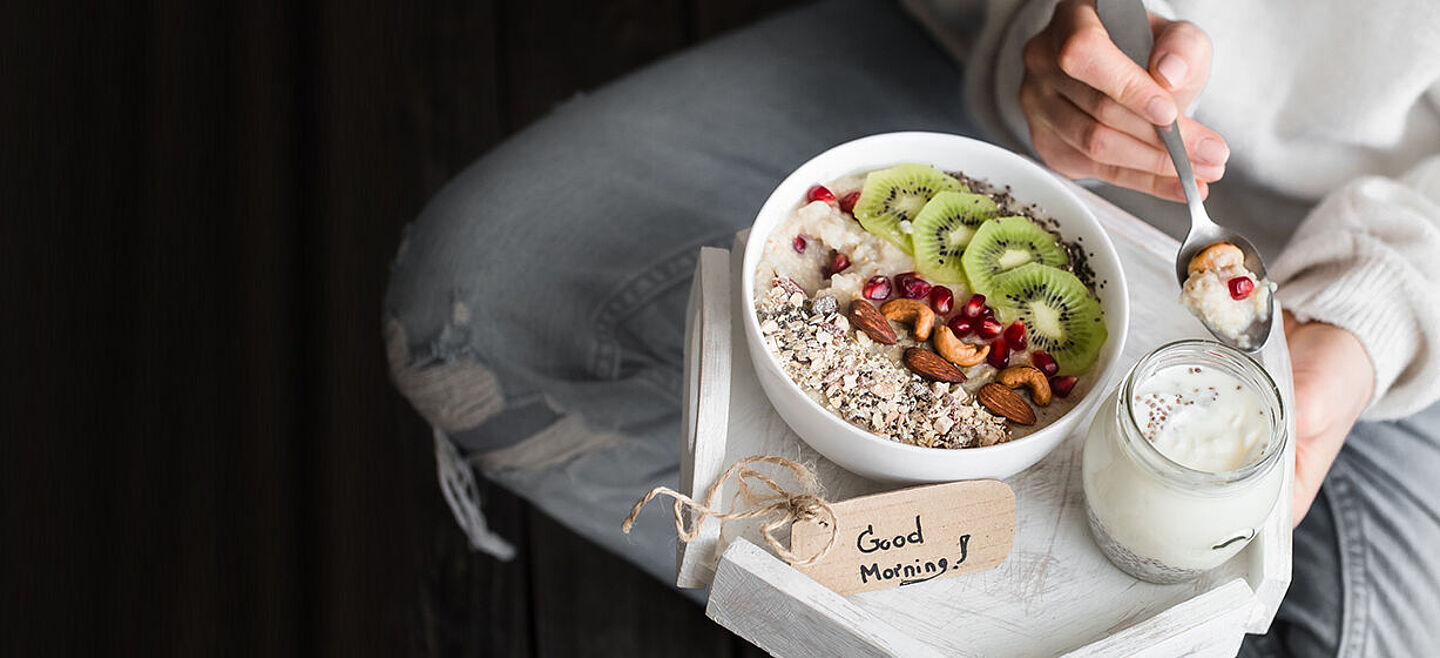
1175, 144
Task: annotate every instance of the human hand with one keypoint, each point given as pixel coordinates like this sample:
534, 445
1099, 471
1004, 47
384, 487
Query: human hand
1334, 380
1092, 111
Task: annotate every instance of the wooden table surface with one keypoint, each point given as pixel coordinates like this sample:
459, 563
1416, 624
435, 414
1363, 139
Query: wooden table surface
203, 454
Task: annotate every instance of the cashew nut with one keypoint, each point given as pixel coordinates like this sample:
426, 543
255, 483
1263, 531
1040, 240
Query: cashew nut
1030, 376
957, 351
913, 311
1218, 256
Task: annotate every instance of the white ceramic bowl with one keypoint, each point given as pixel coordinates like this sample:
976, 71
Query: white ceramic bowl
878, 458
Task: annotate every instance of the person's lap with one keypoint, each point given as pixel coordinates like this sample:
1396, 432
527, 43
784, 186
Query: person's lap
1366, 574
536, 307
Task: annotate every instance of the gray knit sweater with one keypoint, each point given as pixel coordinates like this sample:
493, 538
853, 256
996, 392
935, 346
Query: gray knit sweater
1332, 113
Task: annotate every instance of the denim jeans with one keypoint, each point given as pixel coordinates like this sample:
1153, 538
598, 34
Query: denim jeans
536, 308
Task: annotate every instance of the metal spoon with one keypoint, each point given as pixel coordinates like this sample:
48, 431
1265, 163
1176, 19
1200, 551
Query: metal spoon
1129, 28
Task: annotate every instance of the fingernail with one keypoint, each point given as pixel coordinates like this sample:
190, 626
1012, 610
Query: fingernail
1161, 111
1212, 150
1173, 69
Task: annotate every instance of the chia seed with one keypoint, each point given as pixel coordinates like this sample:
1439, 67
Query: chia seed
1079, 259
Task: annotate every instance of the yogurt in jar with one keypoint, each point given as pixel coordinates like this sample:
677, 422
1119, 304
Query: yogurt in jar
1181, 464
1201, 418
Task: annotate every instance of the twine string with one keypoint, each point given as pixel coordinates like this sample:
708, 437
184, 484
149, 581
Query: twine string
779, 506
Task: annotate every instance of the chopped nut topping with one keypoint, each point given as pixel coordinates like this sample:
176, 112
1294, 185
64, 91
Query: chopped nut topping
850, 374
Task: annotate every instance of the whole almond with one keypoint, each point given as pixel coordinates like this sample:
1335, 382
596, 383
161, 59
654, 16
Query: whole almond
932, 366
868, 319
1004, 402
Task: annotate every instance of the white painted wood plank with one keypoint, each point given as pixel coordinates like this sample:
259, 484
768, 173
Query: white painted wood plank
1208, 625
686, 577
1270, 554
784, 612
708, 334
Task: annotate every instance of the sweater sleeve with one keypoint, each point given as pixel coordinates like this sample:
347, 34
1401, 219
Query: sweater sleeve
1367, 260
996, 66
994, 74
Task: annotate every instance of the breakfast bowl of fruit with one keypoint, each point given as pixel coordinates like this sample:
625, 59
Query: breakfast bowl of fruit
926, 307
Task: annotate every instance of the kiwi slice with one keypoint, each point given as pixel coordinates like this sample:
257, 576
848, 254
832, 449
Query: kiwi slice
1004, 244
943, 229
1060, 315
893, 197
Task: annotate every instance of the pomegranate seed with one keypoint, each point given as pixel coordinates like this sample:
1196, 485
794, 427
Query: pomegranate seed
877, 288
1240, 287
1044, 362
941, 299
799, 244
820, 193
974, 307
847, 202
988, 328
1015, 335
1062, 386
838, 263
961, 325
912, 286
999, 355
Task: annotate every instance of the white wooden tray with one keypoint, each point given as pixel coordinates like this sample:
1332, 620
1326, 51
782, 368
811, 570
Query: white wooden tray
1055, 594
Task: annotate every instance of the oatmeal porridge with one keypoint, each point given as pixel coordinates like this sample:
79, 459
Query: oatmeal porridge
1225, 295
929, 308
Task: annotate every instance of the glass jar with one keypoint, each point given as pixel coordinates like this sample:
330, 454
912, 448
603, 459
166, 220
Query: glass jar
1162, 521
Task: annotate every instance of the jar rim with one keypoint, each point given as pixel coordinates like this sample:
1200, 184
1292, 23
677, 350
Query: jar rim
1156, 460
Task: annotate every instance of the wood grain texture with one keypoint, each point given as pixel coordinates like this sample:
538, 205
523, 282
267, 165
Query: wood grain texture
786, 613
469, 604
60, 473
170, 252
203, 454
364, 193
706, 417
1207, 626
590, 605
558, 47
711, 17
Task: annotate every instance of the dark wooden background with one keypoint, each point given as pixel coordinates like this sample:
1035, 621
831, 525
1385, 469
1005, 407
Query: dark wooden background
202, 454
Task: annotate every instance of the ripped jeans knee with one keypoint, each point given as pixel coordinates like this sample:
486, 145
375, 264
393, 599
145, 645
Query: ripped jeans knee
453, 391
461, 397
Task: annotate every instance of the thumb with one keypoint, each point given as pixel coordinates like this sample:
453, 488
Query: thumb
1180, 60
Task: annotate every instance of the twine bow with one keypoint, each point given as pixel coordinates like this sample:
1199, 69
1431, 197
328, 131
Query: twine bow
781, 506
